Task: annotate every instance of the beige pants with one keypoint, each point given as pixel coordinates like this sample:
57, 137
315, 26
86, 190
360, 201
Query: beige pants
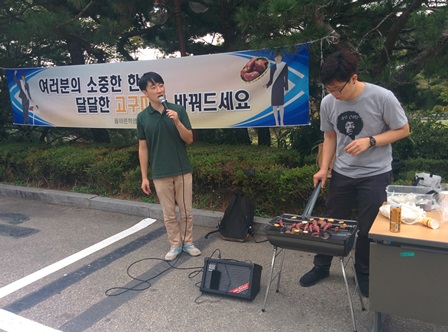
171, 191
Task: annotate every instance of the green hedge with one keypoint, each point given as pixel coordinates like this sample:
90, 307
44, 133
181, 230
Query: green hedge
99, 167
419, 165
281, 180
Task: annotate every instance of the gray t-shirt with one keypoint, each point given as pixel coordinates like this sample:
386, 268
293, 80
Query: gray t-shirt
375, 111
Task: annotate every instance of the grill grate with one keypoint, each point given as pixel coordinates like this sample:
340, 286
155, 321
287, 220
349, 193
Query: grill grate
338, 243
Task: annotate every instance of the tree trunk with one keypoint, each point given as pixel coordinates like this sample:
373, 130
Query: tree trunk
45, 135
264, 136
243, 136
100, 135
76, 52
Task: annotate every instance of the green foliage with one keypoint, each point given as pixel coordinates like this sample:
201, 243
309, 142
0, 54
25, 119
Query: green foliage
220, 173
280, 180
107, 171
279, 23
428, 138
419, 165
131, 181
233, 136
14, 161
429, 29
277, 180
277, 189
64, 165
96, 167
305, 139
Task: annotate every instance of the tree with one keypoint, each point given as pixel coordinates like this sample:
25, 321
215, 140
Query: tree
397, 40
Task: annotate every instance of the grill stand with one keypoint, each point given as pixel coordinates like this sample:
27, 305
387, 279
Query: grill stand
276, 274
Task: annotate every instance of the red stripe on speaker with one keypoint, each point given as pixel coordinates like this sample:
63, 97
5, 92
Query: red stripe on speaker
240, 289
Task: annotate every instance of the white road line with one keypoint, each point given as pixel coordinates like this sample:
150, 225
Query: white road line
16, 285
10, 322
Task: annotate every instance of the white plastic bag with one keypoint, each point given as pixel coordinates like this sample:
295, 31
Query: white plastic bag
428, 180
410, 214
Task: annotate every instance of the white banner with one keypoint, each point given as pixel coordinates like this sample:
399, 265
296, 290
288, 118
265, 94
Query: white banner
228, 90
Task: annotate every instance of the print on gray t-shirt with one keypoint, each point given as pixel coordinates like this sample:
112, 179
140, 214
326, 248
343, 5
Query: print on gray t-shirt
350, 124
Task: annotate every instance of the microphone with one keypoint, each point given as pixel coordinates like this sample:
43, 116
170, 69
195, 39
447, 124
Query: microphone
162, 100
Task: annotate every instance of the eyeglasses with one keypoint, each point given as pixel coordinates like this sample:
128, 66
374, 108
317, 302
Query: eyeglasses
338, 92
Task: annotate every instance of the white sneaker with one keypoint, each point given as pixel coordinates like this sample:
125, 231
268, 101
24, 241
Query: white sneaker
173, 253
191, 249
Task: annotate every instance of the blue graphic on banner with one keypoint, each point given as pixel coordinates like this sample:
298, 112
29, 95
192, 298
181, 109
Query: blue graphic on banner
24, 111
296, 102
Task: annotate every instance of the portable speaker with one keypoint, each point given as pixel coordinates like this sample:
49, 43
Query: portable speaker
231, 278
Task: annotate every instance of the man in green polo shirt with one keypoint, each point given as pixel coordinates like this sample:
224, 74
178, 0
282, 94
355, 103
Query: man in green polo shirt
162, 133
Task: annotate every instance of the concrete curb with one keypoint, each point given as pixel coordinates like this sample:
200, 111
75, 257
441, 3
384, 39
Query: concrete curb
147, 210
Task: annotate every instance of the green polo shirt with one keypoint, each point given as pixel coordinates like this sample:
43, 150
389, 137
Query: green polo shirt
167, 151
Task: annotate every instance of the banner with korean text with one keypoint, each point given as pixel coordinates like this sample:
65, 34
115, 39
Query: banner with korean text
229, 90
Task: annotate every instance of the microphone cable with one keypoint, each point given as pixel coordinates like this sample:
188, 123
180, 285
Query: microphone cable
144, 284
163, 101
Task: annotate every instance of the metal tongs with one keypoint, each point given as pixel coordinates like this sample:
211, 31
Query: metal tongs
311, 202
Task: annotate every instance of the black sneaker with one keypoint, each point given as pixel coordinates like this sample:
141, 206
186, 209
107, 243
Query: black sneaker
363, 283
314, 276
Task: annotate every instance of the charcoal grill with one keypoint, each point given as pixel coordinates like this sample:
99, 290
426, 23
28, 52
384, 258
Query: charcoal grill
336, 241
292, 232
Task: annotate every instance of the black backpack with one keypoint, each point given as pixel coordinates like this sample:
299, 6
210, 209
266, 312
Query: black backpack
238, 219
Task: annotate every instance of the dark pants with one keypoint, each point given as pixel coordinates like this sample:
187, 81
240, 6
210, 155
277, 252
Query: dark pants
26, 110
365, 195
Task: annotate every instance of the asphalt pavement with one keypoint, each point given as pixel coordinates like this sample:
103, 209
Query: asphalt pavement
77, 262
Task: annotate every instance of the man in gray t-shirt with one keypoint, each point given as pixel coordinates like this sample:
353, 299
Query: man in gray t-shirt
360, 121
